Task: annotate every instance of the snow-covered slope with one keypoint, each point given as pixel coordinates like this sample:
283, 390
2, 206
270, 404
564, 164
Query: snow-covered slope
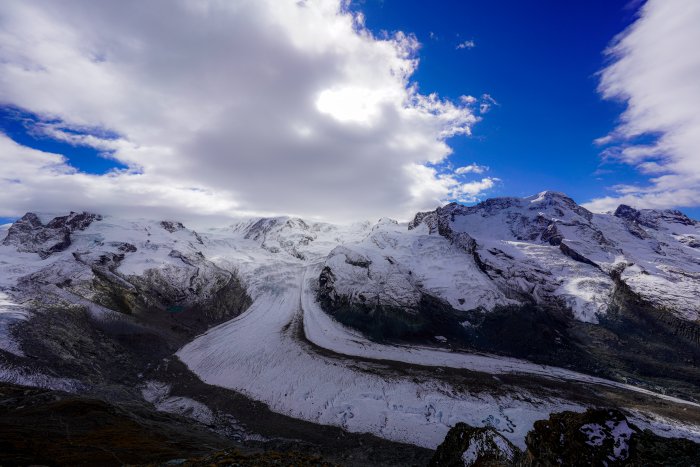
544, 249
393, 266
67, 263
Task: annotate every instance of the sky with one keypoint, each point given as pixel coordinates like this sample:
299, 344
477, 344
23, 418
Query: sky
342, 110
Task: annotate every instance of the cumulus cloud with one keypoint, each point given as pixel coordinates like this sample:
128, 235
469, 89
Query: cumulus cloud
29, 176
431, 184
655, 70
471, 168
224, 108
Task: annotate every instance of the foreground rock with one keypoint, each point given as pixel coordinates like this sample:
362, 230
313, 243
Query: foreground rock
595, 437
468, 446
604, 437
39, 426
236, 458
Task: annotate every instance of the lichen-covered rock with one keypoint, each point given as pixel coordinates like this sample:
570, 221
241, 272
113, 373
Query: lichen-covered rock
603, 437
467, 446
597, 437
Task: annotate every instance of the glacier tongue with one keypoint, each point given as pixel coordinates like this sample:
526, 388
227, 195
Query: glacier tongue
269, 363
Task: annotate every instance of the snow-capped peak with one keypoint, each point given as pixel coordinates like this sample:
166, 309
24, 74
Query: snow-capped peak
544, 248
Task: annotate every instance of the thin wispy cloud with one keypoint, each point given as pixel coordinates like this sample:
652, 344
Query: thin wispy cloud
487, 102
655, 70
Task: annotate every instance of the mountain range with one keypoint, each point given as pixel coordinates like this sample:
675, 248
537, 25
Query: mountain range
366, 343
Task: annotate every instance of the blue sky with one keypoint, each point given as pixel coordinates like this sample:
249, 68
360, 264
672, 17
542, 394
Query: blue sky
539, 60
20, 126
271, 107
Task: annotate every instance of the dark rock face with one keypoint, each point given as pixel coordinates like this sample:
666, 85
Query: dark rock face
467, 446
74, 221
439, 221
575, 255
126, 247
642, 340
28, 223
690, 241
418, 219
172, 226
326, 281
551, 235
430, 316
603, 437
190, 297
626, 212
631, 217
28, 234
651, 217
592, 438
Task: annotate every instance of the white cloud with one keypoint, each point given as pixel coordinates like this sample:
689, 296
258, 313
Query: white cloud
223, 107
653, 198
32, 175
470, 44
429, 184
471, 168
486, 103
655, 71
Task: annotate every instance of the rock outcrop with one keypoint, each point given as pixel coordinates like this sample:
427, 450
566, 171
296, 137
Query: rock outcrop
467, 446
598, 436
28, 234
603, 437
